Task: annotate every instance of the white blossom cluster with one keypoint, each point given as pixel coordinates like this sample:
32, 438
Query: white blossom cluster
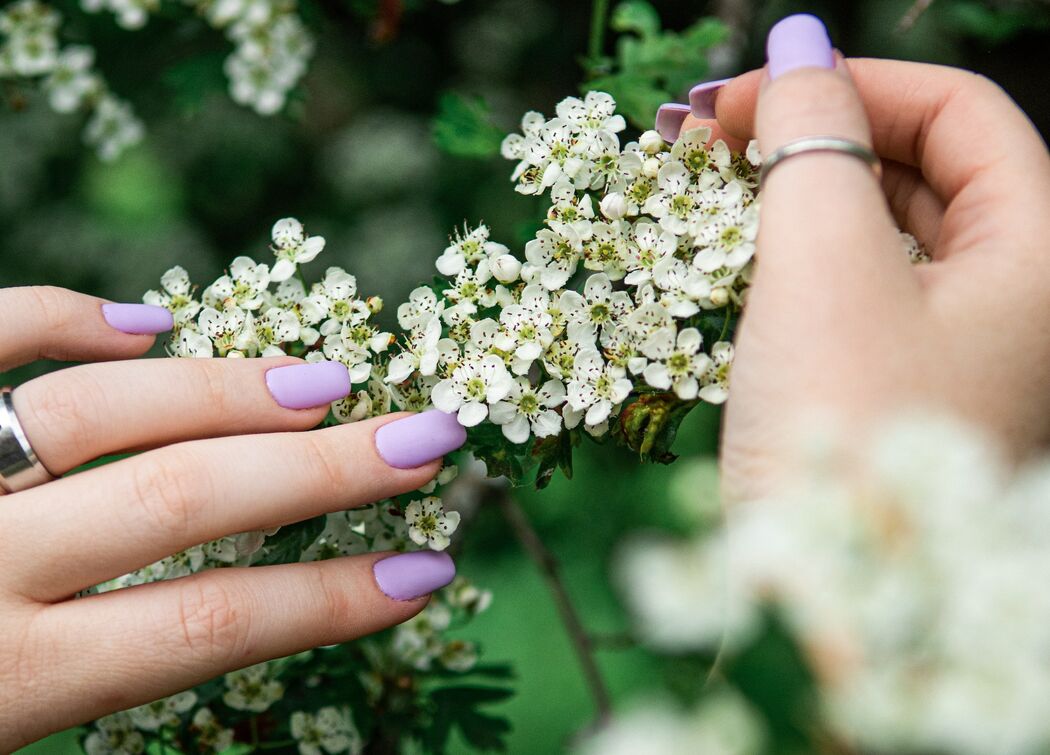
271, 45
914, 581
30, 50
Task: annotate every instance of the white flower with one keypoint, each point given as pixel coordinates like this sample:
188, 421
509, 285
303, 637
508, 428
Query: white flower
599, 308
613, 205
71, 80
372, 401
175, 295
329, 731
650, 244
728, 239
471, 286
191, 343
335, 301
210, 732
679, 363
552, 257
112, 128
223, 328
252, 689
673, 204
422, 352
292, 247
716, 378
651, 142
528, 409
468, 250
706, 162
420, 308
244, 287
264, 335
606, 251
472, 386
596, 387
115, 735
530, 328
429, 524
165, 712
505, 268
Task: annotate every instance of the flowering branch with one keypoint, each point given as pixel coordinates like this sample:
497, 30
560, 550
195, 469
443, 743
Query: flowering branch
547, 564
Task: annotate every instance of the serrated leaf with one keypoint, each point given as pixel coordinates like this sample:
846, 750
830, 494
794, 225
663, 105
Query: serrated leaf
288, 543
462, 127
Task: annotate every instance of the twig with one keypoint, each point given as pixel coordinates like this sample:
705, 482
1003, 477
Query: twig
596, 40
548, 566
912, 15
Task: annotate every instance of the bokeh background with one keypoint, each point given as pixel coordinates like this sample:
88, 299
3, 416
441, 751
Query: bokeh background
354, 156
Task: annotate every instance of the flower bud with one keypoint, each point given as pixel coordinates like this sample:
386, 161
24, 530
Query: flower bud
613, 206
651, 167
505, 268
719, 296
651, 142
374, 304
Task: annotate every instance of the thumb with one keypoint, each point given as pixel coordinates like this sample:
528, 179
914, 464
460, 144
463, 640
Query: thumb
824, 221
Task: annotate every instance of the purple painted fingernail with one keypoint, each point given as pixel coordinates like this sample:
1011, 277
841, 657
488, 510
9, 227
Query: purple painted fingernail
669, 120
305, 386
702, 98
799, 41
412, 575
413, 441
138, 319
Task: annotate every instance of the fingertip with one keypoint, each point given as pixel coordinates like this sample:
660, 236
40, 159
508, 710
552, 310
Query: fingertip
736, 103
137, 319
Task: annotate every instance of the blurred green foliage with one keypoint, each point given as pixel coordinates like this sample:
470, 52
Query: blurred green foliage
389, 144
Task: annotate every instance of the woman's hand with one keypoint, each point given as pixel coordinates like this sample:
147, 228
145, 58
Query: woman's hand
226, 459
836, 316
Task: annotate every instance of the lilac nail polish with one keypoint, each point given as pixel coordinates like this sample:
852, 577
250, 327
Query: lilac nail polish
412, 575
305, 386
669, 120
413, 441
702, 98
138, 319
799, 41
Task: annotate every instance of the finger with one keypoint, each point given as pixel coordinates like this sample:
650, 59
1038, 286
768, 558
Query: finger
78, 414
825, 223
65, 536
958, 128
915, 206
673, 119
170, 636
44, 322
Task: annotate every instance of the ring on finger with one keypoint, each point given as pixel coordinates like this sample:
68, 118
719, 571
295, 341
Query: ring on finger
820, 144
19, 466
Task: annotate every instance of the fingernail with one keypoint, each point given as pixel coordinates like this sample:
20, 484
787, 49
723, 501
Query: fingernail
305, 386
799, 41
138, 319
412, 575
702, 98
669, 119
413, 441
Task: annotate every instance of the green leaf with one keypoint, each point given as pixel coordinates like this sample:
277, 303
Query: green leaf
636, 16
456, 707
463, 127
288, 543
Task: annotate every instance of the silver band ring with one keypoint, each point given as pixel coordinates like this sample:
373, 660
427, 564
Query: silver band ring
820, 144
19, 466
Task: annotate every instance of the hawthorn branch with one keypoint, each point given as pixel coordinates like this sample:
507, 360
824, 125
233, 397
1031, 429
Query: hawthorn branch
912, 15
582, 642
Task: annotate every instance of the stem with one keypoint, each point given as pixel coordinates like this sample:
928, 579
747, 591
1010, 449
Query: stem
912, 15
255, 732
596, 41
548, 567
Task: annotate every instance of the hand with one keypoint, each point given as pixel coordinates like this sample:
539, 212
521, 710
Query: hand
226, 460
836, 316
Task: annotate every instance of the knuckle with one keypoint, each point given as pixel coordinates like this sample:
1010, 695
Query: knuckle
213, 619
335, 601
66, 409
54, 305
323, 463
214, 384
170, 489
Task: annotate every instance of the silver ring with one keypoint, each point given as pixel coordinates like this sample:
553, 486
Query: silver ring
19, 466
820, 144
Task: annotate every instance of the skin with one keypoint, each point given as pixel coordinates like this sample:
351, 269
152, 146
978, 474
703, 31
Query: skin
838, 323
222, 457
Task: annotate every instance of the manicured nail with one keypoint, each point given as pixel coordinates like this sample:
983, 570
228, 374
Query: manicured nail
669, 119
138, 319
407, 576
799, 41
304, 386
413, 441
702, 98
